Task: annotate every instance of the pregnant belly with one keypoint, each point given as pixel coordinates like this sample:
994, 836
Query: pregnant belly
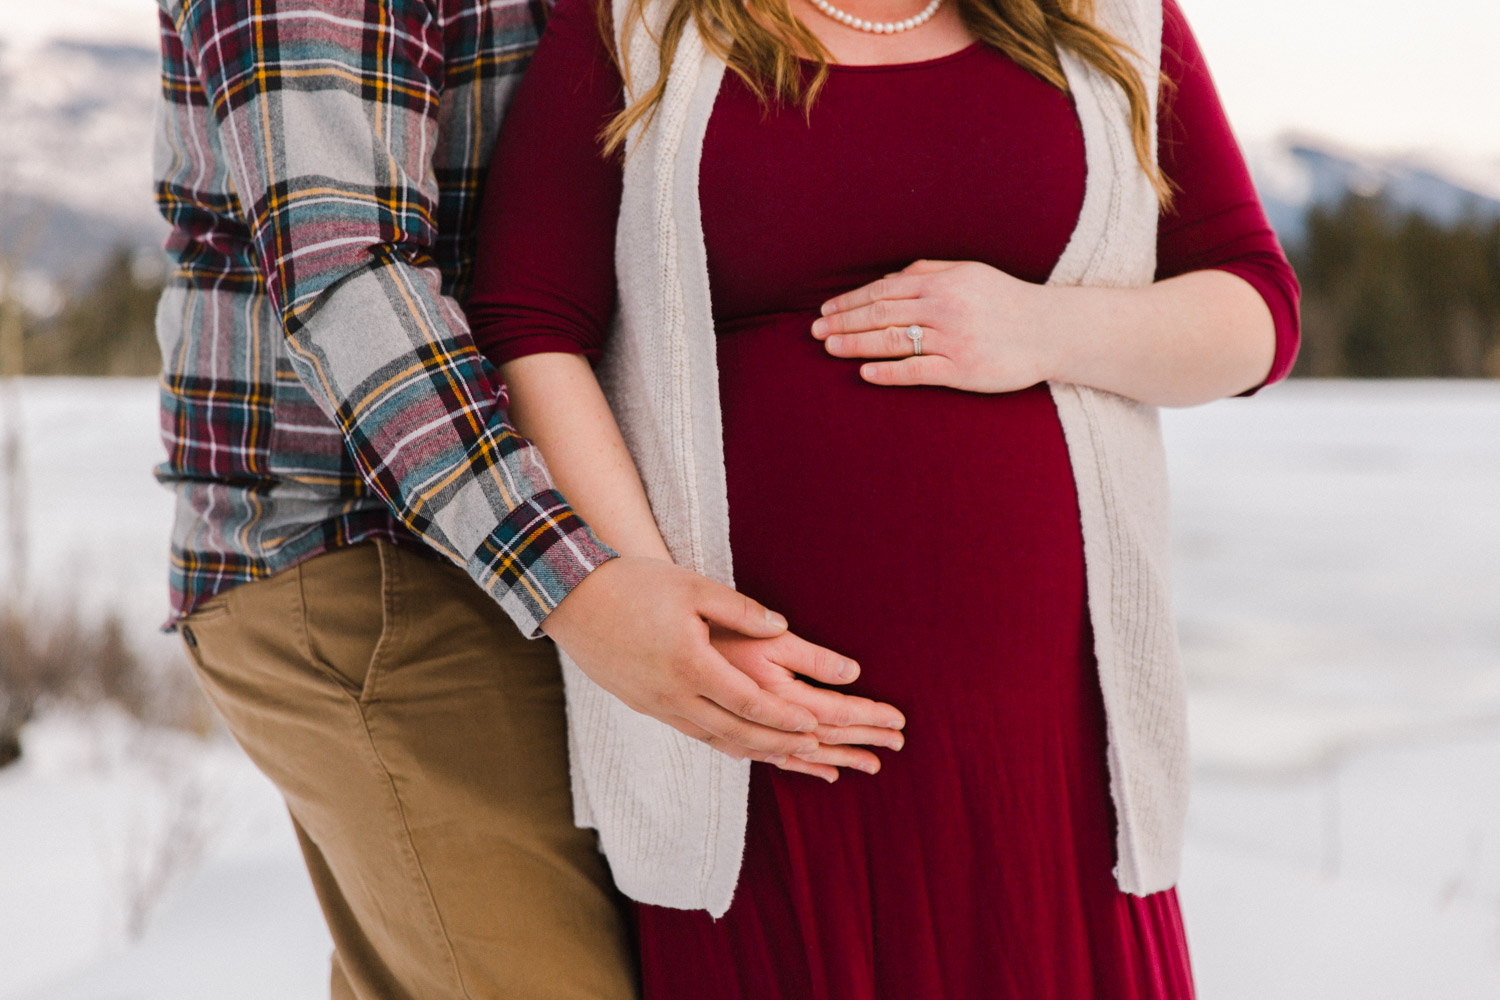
916, 529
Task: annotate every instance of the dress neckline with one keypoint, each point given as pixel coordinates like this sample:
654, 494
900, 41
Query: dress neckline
972, 47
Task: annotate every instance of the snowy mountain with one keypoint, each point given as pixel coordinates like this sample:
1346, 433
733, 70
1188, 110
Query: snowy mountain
1295, 173
78, 92
76, 112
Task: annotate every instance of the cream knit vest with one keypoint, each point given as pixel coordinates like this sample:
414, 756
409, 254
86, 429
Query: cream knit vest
670, 812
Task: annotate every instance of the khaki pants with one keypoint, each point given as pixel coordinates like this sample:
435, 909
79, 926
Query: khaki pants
419, 742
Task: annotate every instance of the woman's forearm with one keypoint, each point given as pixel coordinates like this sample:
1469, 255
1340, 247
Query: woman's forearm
1183, 341
556, 402
1186, 340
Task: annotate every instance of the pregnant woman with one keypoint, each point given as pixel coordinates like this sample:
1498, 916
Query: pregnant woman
882, 299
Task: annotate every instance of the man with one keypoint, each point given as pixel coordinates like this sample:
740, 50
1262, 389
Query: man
353, 506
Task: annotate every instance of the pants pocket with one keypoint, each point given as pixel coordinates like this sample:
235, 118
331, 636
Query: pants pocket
348, 614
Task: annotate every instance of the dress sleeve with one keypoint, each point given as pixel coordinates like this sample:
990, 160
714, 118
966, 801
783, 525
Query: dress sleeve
1216, 221
544, 272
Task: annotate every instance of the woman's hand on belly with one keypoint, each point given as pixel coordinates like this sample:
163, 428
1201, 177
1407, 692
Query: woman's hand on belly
843, 720
980, 329
1182, 341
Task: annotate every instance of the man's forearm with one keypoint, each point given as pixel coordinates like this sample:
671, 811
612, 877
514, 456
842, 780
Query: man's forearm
338, 202
423, 416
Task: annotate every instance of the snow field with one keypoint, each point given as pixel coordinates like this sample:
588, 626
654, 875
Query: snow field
1339, 599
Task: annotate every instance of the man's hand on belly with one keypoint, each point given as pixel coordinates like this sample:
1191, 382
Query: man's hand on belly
640, 629
843, 720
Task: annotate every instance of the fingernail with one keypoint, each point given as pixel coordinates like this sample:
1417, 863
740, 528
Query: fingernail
847, 670
775, 620
807, 727
898, 744
867, 371
868, 768
806, 749
831, 778
776, 759
820, 328
826, 307
835, 343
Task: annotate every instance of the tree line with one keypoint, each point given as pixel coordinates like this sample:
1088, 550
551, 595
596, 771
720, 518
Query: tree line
1386, 294
1390, 294
106, 325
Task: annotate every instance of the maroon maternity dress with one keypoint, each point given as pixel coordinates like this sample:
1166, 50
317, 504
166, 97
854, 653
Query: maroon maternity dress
931, 534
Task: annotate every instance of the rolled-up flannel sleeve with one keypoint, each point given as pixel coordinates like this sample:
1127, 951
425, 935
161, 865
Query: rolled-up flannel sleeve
328, 111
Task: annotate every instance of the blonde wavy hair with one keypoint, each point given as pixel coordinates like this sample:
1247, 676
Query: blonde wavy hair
763, 42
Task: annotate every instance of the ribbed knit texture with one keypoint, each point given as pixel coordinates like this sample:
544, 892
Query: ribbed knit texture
1119, 467
670, 811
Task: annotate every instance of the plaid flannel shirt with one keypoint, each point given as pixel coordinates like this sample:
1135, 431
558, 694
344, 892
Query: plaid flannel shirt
320, 161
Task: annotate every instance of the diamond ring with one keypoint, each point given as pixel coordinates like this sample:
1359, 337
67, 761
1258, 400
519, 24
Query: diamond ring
915, 333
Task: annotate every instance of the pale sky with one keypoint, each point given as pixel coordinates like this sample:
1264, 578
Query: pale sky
1388, 75
1383, 74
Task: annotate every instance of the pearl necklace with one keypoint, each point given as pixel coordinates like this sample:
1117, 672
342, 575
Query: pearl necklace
879, 27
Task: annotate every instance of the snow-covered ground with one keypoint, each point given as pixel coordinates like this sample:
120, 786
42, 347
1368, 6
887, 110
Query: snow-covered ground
1338, 586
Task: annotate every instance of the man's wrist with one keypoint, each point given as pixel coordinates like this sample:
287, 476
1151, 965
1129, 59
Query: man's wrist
561, 613
535, 558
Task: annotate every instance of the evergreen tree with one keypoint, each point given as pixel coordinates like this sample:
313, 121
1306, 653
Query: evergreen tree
1395, 295
105, 328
